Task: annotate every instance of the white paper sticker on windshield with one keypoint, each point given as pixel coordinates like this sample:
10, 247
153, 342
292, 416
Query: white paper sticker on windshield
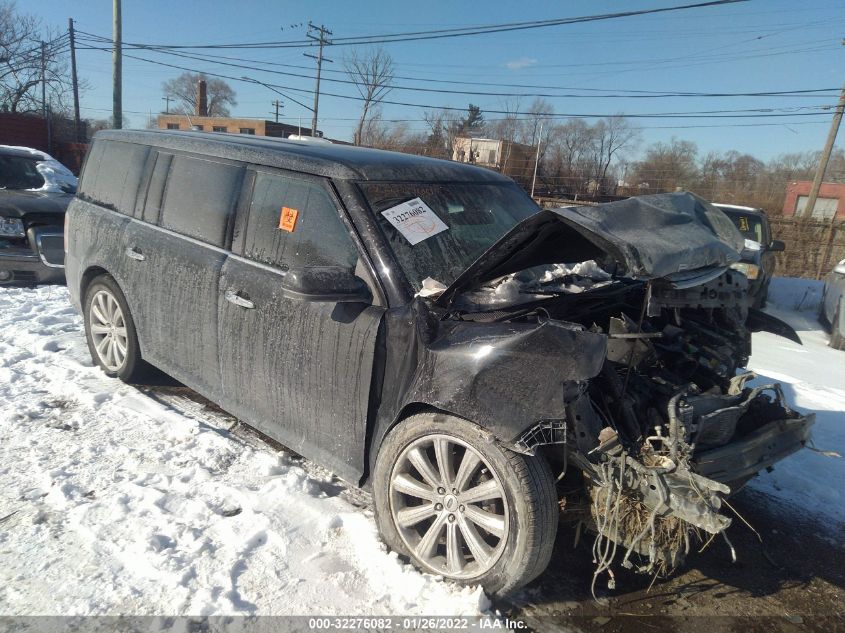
415, 220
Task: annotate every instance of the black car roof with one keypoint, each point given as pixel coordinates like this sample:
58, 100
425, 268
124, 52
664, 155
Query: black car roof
345, 162
733, 208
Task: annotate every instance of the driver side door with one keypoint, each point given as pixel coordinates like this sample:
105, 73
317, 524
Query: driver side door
297, 369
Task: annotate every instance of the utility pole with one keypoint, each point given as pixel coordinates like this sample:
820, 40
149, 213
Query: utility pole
167, 101
76, 121
537, 159
277, 104
321, 39
44, 79
825, 157
117, 72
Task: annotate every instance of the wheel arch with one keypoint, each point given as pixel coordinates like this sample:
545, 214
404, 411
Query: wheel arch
408, 410
90, 274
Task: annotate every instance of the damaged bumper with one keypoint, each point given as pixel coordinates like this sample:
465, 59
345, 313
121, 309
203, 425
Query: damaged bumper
757, 451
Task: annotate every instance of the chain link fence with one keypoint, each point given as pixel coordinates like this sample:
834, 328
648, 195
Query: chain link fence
813, 247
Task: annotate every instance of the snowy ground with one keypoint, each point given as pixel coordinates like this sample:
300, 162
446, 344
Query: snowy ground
111, 503
114, 502
813, 377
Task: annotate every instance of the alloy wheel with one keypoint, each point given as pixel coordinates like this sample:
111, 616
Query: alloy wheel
108, 330
449, 506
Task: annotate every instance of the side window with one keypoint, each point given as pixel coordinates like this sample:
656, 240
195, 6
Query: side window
295, 223
200, 198
113, 172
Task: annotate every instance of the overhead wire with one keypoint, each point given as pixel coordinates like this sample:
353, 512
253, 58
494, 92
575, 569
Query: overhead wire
455, 32
618, 95
759, 112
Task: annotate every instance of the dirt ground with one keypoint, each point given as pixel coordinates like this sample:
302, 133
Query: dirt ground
795, 581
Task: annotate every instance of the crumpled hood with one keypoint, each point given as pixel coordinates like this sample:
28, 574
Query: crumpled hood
646, 237
15, 203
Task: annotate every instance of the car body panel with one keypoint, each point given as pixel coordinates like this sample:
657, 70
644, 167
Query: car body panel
34, 257
833, 297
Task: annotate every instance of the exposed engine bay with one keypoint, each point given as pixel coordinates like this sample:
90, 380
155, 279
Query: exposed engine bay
670, 426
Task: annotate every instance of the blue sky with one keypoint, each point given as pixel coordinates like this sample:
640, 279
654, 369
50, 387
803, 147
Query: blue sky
760, 45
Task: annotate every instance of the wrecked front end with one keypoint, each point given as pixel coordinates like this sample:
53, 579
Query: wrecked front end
667, 424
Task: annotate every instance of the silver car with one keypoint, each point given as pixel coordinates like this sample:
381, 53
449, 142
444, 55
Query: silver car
832, 310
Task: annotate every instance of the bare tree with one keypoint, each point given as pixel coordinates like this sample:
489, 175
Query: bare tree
445, 126
184, 89
506, 129
668, 166
610, 136
21, 36
372, 73
538, 117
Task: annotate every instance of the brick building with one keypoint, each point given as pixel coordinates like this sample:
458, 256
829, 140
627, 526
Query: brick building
232, 125
829, 204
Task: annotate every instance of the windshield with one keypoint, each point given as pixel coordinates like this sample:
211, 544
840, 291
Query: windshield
751, 226
19, 172
473, 217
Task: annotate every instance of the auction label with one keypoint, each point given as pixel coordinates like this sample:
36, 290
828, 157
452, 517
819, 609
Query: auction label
415, 220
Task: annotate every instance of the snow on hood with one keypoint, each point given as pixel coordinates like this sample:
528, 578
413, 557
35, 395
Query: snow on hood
647, 237
57, 177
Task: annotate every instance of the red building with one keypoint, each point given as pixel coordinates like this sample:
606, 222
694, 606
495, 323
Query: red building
830, 203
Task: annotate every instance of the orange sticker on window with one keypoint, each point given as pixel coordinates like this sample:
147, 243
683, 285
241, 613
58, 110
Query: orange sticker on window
287, 219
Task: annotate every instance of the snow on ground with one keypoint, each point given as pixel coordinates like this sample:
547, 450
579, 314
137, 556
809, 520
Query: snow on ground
111, 503
813, 377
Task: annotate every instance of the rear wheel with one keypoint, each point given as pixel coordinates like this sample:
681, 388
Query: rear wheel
459, 505
110, 331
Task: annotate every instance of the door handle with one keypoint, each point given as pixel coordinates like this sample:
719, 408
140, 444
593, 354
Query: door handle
233, 297
133, 252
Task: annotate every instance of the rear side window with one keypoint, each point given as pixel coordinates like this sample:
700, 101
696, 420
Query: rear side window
113, 172
295, 223
200, 198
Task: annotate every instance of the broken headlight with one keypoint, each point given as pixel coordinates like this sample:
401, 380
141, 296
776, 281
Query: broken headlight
752, 271
11, 227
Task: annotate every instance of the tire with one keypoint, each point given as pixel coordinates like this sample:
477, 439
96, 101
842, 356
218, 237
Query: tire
837, 341
110, 331
519, 508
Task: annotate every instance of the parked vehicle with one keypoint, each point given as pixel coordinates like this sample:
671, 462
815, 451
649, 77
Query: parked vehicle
35, 190
422, 328
758, 261
832, 309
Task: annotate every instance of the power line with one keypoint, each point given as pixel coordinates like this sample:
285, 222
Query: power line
625, 95
765, 112
455, 32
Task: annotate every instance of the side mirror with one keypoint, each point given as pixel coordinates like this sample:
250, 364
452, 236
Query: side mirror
839, 269
333, 284
777, 246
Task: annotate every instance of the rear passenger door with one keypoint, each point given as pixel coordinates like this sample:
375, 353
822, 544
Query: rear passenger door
176, 252
298, 370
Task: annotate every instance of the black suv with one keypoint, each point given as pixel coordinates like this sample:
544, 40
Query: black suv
35, 191
421, 327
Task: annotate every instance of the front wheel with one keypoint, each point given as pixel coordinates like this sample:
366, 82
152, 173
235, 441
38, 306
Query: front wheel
459, 505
